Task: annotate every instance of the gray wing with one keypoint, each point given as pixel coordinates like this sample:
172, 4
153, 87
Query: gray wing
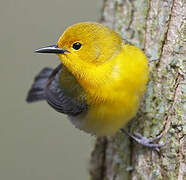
47, 86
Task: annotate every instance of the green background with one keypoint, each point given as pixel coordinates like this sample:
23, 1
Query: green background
37, 143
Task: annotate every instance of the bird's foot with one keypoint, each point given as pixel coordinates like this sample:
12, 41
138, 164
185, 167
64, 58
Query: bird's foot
145, 141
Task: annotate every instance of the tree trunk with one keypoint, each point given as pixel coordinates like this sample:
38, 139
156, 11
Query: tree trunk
157, 27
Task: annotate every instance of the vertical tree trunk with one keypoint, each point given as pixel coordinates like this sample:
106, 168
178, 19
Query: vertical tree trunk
157, 26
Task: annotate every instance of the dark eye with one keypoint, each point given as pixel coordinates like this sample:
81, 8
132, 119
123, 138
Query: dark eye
76, 45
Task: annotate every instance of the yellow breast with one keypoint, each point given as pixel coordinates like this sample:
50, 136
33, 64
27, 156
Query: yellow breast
115, 98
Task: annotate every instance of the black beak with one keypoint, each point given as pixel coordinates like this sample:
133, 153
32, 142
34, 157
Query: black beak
51, 49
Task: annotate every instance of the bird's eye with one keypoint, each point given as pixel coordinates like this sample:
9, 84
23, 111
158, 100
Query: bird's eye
76, 45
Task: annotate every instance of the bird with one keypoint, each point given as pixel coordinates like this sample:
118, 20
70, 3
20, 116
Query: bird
99, 82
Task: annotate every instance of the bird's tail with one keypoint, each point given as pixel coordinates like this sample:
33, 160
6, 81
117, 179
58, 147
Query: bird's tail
36, 93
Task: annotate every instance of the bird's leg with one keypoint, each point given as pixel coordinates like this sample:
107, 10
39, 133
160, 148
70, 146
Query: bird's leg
144, 141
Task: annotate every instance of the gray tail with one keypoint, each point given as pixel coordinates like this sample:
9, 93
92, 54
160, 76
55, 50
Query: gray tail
36, 93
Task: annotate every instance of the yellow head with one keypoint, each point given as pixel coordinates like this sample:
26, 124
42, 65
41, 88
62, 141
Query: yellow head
83, 47
89, 45
90, 42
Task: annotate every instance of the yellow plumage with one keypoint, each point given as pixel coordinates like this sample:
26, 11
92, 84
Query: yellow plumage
112, 75
100, 81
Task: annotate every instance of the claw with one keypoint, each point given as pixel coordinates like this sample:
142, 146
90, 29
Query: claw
138, 135
145, 141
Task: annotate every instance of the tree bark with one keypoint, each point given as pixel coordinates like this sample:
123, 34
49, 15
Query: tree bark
157, 27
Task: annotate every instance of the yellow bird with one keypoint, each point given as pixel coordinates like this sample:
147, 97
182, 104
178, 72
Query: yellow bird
100, 81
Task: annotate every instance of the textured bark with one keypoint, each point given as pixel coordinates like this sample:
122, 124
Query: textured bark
157, 27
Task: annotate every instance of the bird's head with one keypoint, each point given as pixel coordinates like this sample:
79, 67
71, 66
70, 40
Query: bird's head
85, 46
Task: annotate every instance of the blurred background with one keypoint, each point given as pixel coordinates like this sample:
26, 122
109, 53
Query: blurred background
36, 142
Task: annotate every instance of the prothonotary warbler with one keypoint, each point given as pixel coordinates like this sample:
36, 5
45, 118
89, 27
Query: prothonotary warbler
99, 82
